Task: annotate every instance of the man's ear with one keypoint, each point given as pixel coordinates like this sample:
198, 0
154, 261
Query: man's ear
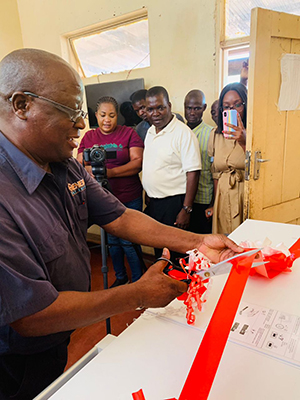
204, 107
21, 104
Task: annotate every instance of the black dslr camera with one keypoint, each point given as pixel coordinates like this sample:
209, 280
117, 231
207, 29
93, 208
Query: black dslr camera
96, 156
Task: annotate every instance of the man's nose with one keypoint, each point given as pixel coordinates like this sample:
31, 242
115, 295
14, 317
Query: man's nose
80, 124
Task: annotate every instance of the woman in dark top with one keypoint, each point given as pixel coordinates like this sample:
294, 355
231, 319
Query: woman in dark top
123, 178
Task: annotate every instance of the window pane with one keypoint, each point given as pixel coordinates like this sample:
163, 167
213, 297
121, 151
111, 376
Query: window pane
238, 14
119, 49
234, 59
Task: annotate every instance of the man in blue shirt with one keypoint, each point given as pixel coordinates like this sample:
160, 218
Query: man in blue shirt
48, 201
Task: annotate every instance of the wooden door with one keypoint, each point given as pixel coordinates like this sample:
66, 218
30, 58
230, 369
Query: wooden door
275, 195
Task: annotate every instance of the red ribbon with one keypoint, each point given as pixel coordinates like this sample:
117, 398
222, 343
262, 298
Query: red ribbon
277, 262
295, 250
208, 357
213, 343
138, 395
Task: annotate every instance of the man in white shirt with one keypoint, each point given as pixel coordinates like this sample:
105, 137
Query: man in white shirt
171, 164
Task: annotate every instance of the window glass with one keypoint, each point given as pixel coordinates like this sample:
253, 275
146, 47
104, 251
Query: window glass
123, 48
233, 63
238, 14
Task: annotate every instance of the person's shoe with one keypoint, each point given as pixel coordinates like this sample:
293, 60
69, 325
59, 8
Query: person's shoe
119, 282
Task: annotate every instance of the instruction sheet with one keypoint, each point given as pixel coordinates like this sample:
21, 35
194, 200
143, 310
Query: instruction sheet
273, 332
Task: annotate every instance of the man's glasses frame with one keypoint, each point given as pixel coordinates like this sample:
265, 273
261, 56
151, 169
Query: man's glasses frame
75, 115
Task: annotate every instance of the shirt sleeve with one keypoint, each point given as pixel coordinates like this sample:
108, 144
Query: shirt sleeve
190, 152
135, 140
210, 147
141, 131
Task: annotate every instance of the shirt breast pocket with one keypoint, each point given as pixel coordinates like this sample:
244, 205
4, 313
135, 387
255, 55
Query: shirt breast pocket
54, 245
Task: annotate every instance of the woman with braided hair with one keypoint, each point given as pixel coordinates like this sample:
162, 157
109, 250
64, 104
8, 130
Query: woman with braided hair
123, 178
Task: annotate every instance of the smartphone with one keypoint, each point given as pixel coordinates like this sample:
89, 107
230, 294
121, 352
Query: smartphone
229, 117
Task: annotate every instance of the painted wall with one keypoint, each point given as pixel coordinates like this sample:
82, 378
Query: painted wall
182, 39
10, 29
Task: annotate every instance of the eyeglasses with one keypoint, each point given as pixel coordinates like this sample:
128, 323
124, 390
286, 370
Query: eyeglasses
75, 115
235, 107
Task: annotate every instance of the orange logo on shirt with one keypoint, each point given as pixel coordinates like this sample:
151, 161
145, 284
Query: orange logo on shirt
77, 187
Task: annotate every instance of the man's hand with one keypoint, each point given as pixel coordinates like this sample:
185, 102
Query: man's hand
218, 247
209, 212
182, 220
157, 289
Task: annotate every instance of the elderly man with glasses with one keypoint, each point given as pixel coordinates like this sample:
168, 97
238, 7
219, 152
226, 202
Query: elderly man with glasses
48, 201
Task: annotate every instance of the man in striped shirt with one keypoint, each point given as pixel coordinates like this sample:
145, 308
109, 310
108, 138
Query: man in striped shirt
194, 106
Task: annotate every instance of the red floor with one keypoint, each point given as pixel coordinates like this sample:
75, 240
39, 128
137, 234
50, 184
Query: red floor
83, 339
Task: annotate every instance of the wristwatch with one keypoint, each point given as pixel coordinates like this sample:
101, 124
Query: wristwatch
187, 209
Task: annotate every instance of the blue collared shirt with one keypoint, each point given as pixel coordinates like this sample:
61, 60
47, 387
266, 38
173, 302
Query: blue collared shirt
44, 219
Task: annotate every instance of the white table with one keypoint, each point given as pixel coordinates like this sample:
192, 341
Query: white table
156, 352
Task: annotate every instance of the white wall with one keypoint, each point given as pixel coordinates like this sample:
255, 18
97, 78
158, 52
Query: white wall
182, 38
10, 29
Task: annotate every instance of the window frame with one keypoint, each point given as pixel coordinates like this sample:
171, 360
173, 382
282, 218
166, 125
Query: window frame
224, 57
228, 44
106, 25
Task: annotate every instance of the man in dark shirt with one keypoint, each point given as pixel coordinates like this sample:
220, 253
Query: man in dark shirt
138, 100
48, 201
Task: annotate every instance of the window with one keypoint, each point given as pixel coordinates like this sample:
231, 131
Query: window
233, 63
236, 30
113, 48
238, 13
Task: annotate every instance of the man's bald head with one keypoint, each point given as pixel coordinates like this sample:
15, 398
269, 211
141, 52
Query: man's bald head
32, 82
194, 107
195, 94
33, 70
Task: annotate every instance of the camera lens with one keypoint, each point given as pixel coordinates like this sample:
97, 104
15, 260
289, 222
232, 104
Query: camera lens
97, 154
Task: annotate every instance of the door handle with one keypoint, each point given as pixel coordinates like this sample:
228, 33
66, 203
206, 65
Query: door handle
257, 161
261, 160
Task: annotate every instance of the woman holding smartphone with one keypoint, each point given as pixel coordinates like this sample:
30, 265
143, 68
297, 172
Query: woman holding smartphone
227, 148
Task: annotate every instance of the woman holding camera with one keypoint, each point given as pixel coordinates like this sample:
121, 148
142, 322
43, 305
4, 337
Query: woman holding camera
123, 178
227, 149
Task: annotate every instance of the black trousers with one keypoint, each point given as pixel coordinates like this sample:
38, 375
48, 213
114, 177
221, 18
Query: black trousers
199, 223
22, 377
165, 211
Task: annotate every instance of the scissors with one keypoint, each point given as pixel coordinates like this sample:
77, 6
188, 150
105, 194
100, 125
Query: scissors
221, 268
